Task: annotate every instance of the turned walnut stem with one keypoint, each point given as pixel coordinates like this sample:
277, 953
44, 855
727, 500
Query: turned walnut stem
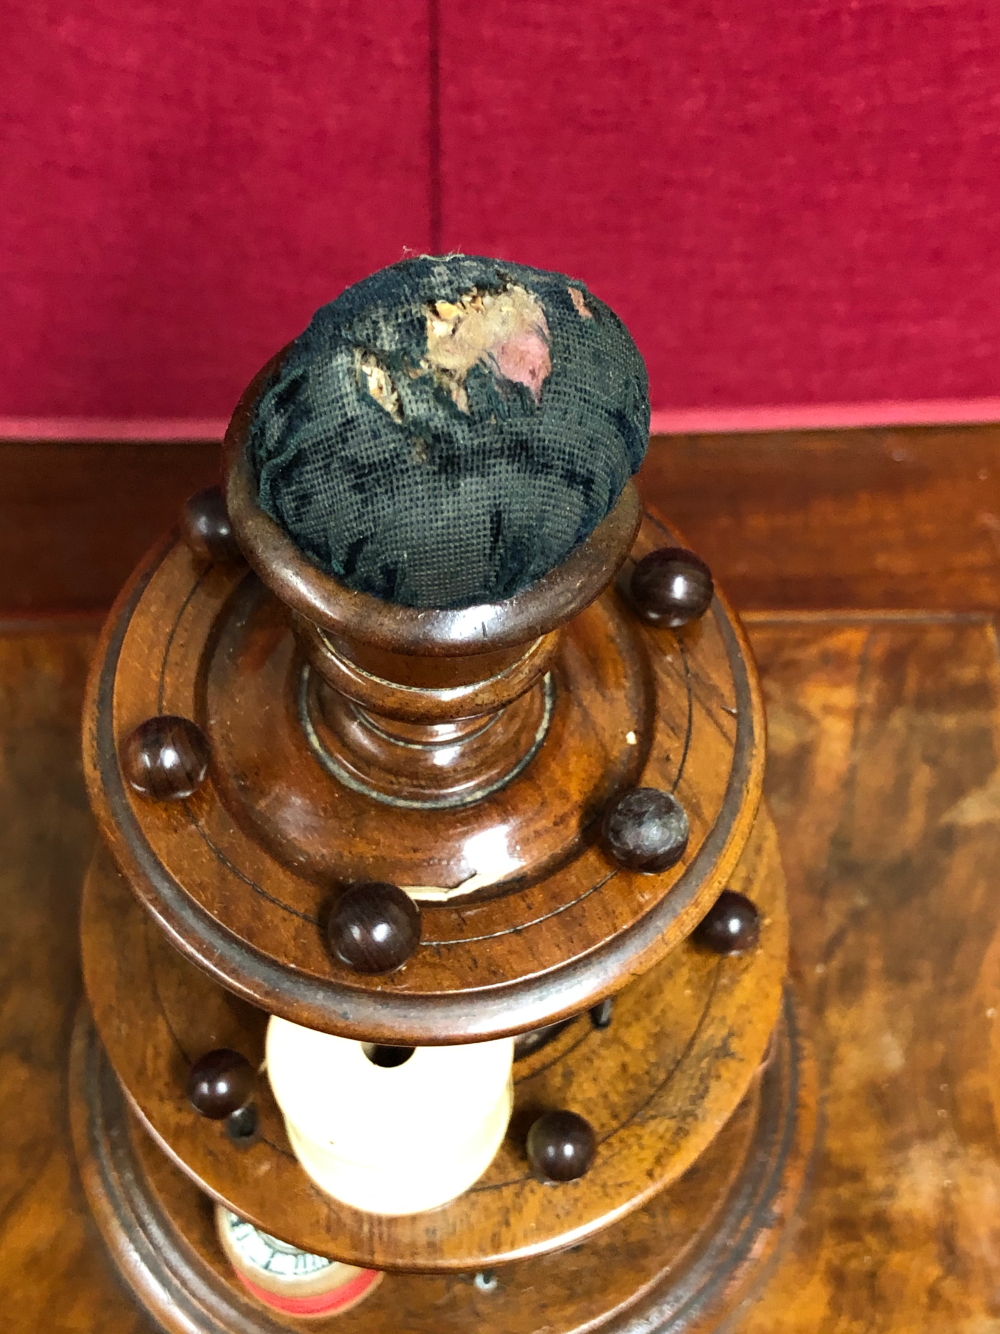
393, 683
426, 690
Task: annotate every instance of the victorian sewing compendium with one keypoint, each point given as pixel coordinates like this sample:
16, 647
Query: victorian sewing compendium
435, 946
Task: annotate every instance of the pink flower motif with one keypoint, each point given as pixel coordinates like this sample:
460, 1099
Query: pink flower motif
524, 359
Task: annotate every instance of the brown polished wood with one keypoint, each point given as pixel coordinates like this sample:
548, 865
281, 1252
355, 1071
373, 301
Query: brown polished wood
657, 1085
689, 1258
205, 526
75, 517
898, 518
421, 746
165, 758
671, 587
536, 1038
560, 1146
373, 928
987, 1031
418, 689
219, 1083
574, 773
805, 519
884, 738
887, 731
544, 921
406, 825
731, 925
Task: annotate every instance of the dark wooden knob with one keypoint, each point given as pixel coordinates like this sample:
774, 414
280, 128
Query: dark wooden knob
731, 925
242, 1125
561, 1146
206, 529
646, 830
220, 1083
165, 758
671, 587
374, 928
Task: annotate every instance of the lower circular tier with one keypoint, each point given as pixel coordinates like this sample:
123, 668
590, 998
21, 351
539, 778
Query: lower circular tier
685, 1261
683, 1047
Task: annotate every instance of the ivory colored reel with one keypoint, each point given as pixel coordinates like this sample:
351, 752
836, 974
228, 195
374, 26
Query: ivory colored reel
391, 1130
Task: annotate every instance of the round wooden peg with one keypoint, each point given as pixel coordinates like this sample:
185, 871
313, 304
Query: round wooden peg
731, 925
373, 928
241, 1125
206, 529
646, 830
220, 1083
165, 758
671, 587
561, 1146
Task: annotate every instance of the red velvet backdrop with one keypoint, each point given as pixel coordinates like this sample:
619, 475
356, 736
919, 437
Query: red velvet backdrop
789, 202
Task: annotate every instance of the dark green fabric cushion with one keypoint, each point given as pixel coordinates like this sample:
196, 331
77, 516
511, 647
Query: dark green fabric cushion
449, 429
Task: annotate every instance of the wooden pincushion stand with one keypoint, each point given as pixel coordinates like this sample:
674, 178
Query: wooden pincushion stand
469, 756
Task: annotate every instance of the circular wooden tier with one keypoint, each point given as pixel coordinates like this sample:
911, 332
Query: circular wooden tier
241, 873
684, 1044
683, 1263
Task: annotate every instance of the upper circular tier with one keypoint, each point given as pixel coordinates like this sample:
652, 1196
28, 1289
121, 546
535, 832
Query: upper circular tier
241, 873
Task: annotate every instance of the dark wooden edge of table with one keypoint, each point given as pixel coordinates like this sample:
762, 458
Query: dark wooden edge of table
875, 518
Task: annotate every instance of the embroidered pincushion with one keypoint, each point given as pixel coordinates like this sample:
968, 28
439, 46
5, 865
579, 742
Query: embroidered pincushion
448, 430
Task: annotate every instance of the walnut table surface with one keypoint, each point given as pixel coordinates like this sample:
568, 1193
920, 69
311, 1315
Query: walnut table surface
883, 779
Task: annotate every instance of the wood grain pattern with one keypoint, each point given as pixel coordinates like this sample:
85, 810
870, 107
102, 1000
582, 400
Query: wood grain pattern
888, 734
200, 669
685, 1042
901, 518
892, 910
75, 518
883, 783
692, 1255
53, 1273
241, 875
869, 519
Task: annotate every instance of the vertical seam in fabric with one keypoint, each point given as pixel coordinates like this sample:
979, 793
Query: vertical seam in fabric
434, 122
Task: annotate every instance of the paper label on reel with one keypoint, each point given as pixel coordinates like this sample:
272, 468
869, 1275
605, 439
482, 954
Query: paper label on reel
259, 1250
286, 1278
